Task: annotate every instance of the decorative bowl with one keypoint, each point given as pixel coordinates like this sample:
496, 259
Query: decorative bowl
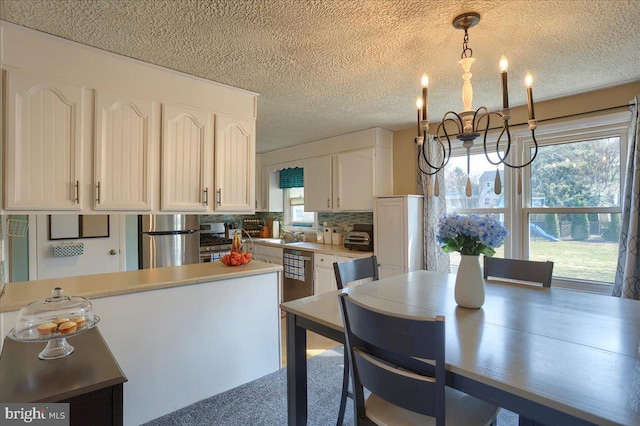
236, 259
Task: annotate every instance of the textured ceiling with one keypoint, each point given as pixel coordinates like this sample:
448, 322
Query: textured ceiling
329, 67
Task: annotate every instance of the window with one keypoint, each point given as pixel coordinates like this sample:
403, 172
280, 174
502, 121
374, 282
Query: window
577, 185
484, 200
292, 182
569, 210
294, 209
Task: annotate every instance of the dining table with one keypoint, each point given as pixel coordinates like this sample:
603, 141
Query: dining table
553, 356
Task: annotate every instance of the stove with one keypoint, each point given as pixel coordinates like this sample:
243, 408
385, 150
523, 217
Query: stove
213, 244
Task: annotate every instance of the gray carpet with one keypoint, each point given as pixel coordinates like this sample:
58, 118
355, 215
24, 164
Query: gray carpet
264, 401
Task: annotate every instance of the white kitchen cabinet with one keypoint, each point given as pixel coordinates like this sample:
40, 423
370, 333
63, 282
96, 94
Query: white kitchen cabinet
44, 143
60, 132
258, 186
265, 253
324, 279
272, 194
398, 242
187, 141
235, 148
269, 196
354, 182
318, 184
347, 181
125, 146
324, 276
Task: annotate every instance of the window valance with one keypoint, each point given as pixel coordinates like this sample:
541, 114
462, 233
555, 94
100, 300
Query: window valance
292, 178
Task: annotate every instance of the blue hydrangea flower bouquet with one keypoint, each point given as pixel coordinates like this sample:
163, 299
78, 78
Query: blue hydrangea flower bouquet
471, 235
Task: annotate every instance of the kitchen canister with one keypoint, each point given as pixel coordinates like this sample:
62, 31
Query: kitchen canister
336, 237
327, 234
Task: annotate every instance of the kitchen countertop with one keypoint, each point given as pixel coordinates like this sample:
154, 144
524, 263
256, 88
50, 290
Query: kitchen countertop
18, 294
337, 250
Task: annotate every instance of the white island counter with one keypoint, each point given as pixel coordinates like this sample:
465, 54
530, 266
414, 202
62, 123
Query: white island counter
179, 334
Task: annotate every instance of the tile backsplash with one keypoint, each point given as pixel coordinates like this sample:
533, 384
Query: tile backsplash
344, 221
209, 218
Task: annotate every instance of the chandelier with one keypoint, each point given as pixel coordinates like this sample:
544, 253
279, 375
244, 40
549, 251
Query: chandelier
470, 124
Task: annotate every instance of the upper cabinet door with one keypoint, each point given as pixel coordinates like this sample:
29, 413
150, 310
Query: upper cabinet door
186, 154
44, 120
234, 164
354, 180
317, 184
125, 144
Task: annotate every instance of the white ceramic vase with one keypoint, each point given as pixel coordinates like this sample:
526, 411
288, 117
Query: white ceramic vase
469, 291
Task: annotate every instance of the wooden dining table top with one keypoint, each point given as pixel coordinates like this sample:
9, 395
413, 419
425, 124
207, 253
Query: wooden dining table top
576, 352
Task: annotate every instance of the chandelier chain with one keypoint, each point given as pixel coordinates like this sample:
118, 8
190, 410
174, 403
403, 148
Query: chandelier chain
467, 52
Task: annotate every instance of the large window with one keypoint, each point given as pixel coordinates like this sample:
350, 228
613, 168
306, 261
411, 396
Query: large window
578, 186
569, 209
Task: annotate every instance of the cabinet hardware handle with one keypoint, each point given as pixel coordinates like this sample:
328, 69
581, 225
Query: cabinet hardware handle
98, 193
206, 196
219, 196
338, 201
329, 202
77, 186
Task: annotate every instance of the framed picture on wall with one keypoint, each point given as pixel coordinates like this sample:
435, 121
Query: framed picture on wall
64, 227
94, 226
69, 227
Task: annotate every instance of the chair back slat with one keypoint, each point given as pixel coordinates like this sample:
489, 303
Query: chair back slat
377, 343
404, 389
401, 335
357, 269
520, 270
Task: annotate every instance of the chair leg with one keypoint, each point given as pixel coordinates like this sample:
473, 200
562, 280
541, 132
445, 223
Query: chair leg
345, 391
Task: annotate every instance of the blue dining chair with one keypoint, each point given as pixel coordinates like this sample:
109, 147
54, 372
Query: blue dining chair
519, 270
401, 361
348, 272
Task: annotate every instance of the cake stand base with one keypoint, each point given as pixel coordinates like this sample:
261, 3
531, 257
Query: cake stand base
56, 348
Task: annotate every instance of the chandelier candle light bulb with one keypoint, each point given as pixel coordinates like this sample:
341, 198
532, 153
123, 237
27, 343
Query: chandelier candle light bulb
425, 86
419, 139
528, 82
504, 66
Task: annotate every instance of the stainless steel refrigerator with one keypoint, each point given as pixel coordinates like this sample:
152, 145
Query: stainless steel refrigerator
168, 240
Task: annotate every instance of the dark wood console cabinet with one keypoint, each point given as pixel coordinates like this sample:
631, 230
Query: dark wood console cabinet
89, 379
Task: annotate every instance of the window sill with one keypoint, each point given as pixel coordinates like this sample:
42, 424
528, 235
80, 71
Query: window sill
584, 286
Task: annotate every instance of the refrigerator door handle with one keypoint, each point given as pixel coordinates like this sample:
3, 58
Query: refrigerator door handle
187, 231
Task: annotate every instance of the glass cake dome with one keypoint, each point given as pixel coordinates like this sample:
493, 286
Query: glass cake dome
54, 319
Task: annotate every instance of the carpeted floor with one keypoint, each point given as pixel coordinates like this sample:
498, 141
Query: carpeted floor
264, 401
